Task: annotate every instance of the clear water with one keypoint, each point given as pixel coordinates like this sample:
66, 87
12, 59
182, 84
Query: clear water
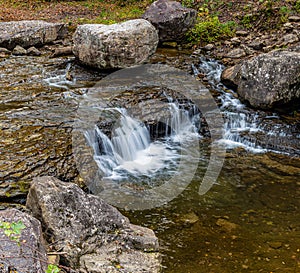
248, 222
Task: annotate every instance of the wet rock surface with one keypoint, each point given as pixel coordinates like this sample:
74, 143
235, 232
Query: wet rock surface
171, 19
115, 46
30, 33
94, 235
145, 92
268, 81
30, 255
36, 118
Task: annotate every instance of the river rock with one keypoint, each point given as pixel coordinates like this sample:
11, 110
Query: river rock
62, 51
171, 19
268, 81
229, 76
294, 18
95, 236
236, 53
4, 50
19, 51
29, 33
31, 245
115, 46
33, 51
290, 39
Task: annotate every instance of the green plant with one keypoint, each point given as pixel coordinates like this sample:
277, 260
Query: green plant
284, 13
297, 6
13, 230
210, 30
248, 20
188, 3
52, 268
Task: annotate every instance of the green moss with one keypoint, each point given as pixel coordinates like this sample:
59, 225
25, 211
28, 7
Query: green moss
116, 13
297, 6
210, 29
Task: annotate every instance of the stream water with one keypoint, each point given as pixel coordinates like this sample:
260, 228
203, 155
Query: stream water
247, 222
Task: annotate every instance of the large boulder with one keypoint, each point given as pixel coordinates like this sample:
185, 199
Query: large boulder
28, 256
115, 46
171, 19
95, 236
30, 33
268, 81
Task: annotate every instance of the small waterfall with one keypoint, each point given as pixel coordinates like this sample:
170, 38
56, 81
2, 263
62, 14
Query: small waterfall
253, 130
129, 138
130, 149
64, 81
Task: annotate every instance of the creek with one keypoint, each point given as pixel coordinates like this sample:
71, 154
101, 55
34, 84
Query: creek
247, 221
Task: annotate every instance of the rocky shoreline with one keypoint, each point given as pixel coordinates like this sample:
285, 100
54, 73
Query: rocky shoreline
91, 235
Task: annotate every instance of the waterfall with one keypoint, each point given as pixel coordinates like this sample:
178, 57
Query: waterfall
131, 137
130, 148
251, 129
63, 81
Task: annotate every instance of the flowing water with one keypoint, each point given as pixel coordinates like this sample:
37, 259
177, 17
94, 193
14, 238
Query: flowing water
247, 222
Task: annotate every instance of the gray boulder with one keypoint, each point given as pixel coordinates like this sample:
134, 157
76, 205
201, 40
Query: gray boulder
95, 236
268, 81
115, 46
30, 256
29, 33
171, 19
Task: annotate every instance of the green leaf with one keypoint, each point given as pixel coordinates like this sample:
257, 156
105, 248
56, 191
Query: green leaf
52, 268
17, 227
8, 232
5, 225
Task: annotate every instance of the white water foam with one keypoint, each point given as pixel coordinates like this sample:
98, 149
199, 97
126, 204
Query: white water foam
238, 121
130, 150
63, 81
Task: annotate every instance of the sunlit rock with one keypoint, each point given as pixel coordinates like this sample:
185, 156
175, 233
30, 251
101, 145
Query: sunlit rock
30, 33
90, 231
115, 46
268, 81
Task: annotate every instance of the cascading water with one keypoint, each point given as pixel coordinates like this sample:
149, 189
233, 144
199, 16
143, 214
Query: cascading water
252, 130
130, 150
63, 80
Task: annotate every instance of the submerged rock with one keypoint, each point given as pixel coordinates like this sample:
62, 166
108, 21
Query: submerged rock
95, 236
31, 245
171, 19
268, 81
115, 46
29, 33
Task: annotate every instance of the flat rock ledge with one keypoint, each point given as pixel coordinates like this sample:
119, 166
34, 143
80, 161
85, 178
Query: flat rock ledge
30, 33
115, 46
95, 236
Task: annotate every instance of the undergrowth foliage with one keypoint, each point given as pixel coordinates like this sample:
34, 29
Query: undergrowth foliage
210, 29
